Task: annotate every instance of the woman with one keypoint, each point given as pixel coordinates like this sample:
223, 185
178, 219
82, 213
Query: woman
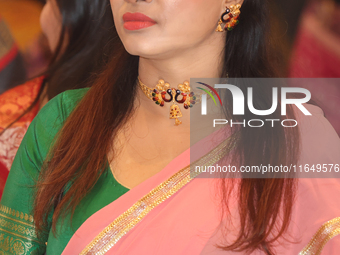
317, 54
116, 179
77, 37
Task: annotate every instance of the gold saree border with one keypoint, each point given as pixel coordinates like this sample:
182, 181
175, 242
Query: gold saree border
106, 239
23, 218
325, 233
17, 232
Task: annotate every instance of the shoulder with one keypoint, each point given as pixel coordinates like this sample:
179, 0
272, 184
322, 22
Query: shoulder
66, 102
320, 144
315, 123
53, 115
43, 130
74, 95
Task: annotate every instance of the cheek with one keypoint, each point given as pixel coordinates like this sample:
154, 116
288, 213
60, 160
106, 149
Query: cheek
50, 22
190, 23
193, 17
116, 5
115, 8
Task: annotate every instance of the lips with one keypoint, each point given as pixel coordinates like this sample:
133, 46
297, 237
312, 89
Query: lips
136, 21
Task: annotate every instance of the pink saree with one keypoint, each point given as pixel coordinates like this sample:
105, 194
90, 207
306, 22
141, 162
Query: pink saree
170, 213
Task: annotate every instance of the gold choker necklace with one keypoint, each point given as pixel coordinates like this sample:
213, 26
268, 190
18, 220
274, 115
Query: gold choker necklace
163, 93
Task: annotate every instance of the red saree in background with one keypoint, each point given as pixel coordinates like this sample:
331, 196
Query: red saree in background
12, 104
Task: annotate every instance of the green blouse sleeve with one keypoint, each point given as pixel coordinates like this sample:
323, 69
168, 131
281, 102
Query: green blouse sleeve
17, 232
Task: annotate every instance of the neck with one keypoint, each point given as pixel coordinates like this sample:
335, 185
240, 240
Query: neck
202, 62
181, 67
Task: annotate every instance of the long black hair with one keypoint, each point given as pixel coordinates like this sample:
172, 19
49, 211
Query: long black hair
88, 25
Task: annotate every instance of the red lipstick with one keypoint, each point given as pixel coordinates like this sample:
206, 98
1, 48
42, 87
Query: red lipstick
136, 21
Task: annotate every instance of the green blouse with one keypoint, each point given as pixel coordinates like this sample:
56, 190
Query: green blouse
17, 234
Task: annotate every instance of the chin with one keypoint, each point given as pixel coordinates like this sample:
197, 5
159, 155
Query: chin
142, 49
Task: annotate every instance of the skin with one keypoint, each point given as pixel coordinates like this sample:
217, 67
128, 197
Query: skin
51, 23
182, 44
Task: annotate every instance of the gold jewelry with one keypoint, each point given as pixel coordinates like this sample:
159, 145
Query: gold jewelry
163, 93
219, 27
230, 17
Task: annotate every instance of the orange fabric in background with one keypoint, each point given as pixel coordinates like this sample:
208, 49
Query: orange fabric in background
12, 104
15, 101
22, 17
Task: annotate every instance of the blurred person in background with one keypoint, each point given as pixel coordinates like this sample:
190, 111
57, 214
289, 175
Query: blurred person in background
316, 54
309, 35
22, 18
77, 33
12, 71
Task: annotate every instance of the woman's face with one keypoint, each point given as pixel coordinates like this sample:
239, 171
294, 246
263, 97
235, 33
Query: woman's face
171, 26
51, 23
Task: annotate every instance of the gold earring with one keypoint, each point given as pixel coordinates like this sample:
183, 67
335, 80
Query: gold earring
230, 17
219, 27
